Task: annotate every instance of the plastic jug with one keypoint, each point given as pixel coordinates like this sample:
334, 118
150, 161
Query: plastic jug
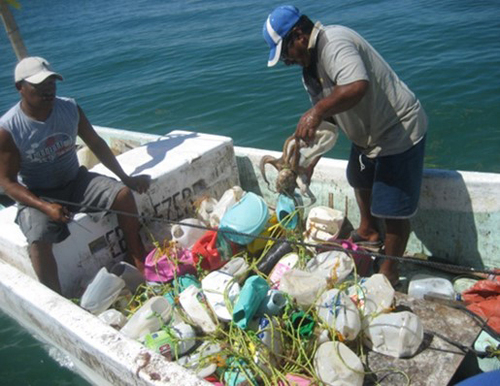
286, 212
270, 335
185, 234
236, 267
195, 306
337, 365
286, 263
421, 285
149, 318
252, 294
228, 199
304, 286
338, 311
199, 360
398, 334
113, 318
323, 223
130, 274
334, 265
163, 265
102, 291
217, 286
373, 295
273, 304
205, 209
174, 343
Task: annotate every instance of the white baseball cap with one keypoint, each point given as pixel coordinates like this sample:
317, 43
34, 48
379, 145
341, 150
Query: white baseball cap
34, 70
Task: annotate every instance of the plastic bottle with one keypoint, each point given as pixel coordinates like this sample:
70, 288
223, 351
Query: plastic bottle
335, 265
273, 304
195, 306
172, 344
185, 234
228, 199
323, 223
286, 263
304, 286
374, 294
271, 258
216, 287
130, 274
339, 311
252, 294
421, 285
199, 360
337, 365
149, 318
113, 318
398, 334
102, 292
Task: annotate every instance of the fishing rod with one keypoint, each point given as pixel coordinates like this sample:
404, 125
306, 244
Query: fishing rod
325, 245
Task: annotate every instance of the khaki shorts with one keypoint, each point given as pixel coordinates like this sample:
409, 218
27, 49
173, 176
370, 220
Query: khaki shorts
87, 191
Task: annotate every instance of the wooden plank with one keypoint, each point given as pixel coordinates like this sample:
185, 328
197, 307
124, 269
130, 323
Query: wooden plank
436, 361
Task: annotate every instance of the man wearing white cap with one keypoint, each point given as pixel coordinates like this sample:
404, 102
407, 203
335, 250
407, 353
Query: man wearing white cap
37, 144
350, 84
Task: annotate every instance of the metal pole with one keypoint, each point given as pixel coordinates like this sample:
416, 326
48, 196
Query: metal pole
12, 31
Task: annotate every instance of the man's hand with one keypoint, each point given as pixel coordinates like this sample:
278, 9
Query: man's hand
138, 183
58, 212
307, 126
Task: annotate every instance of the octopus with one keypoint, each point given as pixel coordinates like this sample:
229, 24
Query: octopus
297, 162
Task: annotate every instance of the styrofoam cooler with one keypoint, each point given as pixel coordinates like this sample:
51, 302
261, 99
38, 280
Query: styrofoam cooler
183, 166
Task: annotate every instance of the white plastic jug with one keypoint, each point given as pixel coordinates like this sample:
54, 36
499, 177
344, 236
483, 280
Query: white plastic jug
205, 209
216, 287
236, 267
113, 318
199, 360
323, 223
337, 365
334, 265
421, 285
228, 199
285, 264
304, 286
185, 234
177, 341
149, 318
196, 308
130, 274
398, 334
374, 294
102, 292
338, 311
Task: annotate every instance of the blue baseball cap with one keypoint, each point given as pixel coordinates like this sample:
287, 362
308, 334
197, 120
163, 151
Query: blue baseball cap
278, 24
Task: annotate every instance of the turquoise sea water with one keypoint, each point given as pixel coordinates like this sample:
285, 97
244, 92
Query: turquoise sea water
155, 66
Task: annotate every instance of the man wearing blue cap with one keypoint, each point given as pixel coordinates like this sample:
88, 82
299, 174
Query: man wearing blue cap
350, 84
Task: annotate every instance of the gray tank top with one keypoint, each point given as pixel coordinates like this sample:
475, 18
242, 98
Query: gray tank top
47, 149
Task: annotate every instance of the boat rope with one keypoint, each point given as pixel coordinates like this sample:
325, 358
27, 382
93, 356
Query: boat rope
451, 268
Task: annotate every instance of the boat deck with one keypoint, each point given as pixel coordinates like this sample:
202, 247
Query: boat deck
437, 360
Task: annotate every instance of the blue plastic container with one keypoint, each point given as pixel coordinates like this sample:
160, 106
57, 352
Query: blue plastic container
248, 216
284, 208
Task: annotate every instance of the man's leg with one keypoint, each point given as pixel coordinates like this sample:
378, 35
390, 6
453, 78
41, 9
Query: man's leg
368, 224
396, 237
125, 202
45, 265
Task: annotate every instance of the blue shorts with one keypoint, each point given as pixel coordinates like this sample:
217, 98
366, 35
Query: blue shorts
394, 180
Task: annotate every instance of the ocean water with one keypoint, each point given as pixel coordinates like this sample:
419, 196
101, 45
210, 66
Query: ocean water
155, 66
